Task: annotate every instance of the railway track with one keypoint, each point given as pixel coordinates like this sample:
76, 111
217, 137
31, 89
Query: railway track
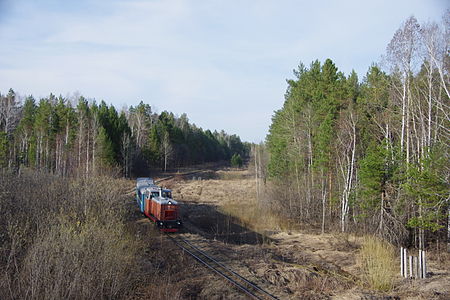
178, 174
244, 285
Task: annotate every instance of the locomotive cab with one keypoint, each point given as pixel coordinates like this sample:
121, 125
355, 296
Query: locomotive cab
167, 211
157, 204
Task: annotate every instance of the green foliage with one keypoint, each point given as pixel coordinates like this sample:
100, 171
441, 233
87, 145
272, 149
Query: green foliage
105, 149
189, 143
312, 105
373, 174
3, 149
52, 135
236, 161
312, 156
277, 143
429, 189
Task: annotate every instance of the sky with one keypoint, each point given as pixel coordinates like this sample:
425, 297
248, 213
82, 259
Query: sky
224, 63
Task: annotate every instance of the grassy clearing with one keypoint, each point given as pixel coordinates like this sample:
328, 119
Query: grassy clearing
378, 263
233, 175
235, 191
253, 216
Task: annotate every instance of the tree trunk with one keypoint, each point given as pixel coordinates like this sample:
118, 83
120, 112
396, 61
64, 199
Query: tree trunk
87, 154
408, 99
80, 141
310, 179
448, 229
165, 161
256, 172
430, 105
324, 201
381, 226
402, 138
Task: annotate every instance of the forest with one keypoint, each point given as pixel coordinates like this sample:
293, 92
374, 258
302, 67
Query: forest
368, 156
67, 216
77, 136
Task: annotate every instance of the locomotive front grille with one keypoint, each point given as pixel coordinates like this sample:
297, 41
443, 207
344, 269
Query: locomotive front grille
170, 214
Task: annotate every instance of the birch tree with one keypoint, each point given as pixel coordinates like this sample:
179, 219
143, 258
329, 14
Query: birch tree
167, 149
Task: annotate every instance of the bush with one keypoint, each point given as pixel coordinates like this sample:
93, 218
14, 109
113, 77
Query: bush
378, 263
87, 260
63, 238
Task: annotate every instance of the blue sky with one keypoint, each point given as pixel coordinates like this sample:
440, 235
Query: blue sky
224, 63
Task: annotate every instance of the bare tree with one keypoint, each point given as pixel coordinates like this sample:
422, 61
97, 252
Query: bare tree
347, 160
140, 120
401, 54
167, 148
126, 154
9, 112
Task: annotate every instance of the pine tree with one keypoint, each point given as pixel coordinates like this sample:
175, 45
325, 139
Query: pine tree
236, 160
104, 151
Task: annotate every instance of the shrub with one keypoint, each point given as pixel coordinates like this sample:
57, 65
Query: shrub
66, 238
378, 263
87, 260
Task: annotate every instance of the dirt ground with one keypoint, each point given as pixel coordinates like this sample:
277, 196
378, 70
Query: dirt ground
290, 265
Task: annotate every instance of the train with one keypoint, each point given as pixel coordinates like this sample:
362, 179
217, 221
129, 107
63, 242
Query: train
158, 205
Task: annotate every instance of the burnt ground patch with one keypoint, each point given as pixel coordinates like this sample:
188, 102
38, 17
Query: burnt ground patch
207, 221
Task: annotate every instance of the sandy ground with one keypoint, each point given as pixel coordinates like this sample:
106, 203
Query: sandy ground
290, 265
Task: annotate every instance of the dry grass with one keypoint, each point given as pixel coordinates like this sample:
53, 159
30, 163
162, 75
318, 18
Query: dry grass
235, 191
378, 263
257, 218
233, 174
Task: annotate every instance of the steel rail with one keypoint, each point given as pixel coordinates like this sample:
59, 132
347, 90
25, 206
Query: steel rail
231, 271
237, 284
178, 174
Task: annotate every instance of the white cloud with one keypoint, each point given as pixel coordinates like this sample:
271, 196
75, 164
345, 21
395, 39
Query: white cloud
205, 58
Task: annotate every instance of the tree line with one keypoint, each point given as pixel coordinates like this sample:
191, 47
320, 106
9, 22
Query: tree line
75, 136
369, 155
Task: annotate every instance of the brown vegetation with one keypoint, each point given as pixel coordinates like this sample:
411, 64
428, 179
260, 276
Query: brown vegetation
289, 259
379, 263
65, 239
79, 239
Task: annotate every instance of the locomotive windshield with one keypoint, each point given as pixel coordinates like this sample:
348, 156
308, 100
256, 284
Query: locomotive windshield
167, 194
155, 194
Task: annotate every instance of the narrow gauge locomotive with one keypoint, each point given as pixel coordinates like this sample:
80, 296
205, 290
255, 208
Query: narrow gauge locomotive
157, 204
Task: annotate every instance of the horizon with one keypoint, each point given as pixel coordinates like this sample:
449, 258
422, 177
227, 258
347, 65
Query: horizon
223, 64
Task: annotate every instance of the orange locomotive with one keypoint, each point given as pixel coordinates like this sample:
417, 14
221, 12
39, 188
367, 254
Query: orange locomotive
157, 204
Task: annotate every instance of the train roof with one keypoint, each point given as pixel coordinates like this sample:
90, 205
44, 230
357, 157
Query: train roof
142, 181
149, 188
144, 178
